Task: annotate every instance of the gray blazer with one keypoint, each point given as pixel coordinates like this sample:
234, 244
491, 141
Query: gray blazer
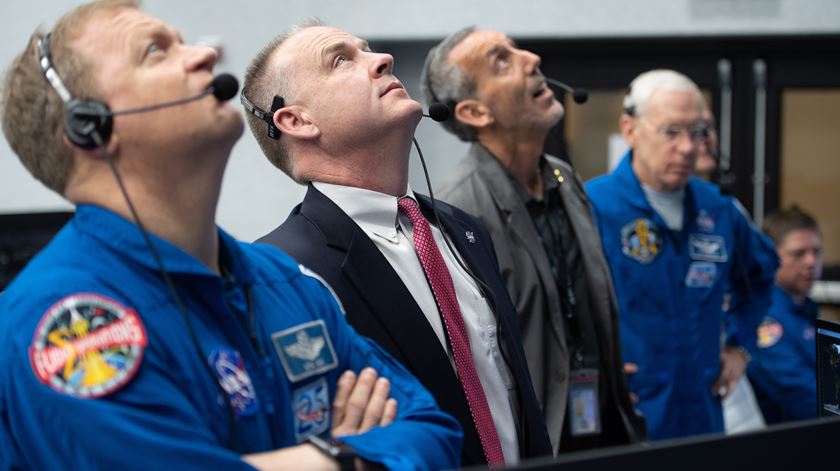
482, 187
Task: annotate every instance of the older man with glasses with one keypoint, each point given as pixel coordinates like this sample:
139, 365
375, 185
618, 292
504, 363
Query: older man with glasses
675, 246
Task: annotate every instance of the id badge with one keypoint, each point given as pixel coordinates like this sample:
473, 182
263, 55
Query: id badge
584, 411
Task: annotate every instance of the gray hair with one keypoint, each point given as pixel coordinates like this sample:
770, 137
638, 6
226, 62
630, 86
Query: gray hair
264, 79
644, 85
445, 82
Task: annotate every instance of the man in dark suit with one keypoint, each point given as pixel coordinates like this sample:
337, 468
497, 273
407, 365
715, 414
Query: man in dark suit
329, 112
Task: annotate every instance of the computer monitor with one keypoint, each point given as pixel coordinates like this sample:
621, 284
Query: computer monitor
828, 368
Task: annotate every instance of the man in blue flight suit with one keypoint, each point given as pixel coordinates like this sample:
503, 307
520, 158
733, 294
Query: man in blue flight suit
675, 245
173, 345
783, 371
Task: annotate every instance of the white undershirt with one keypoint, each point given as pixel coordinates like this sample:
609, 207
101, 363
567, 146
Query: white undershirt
392, 233
669, 205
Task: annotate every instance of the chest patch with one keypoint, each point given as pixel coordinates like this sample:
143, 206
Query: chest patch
311, 405
707, 247
87, 345
701, 275
705, 222
305, 350
769, 332
234, 379
641, 240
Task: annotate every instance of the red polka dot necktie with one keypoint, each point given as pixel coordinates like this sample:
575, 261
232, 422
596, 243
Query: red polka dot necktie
444, 291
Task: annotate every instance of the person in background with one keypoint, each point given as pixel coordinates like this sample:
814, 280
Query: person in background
709, 150
675, 246
783, 371
546, 241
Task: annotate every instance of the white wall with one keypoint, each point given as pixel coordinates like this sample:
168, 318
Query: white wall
256, 197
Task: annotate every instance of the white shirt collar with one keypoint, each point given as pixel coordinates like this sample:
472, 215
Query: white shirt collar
376, 213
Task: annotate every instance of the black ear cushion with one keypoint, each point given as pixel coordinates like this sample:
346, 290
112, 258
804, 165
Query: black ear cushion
83, 118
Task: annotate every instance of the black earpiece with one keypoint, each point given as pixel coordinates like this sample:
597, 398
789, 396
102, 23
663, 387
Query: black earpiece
83, 118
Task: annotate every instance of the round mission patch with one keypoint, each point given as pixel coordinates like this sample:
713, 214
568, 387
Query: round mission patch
87, 345
769, 332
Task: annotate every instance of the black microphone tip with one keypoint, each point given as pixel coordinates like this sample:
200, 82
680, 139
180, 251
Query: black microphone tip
439, 112
224, 87
580, 96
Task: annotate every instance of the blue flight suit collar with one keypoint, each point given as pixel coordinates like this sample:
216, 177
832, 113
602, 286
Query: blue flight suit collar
629, 181
123, 236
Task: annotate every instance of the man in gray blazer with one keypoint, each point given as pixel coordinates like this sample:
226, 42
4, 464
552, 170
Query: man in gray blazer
548, 248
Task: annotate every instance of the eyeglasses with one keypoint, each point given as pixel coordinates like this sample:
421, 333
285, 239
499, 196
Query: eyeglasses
697, 132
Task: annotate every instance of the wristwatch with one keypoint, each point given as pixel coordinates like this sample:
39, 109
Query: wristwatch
343, 454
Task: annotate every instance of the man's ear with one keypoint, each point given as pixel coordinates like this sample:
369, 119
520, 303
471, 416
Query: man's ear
474, 113
629, 127
296, 122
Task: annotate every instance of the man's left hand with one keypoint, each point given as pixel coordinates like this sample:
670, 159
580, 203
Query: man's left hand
362, 403
733, 363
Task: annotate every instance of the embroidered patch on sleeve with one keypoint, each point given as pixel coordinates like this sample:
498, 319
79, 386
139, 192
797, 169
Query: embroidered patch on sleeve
769, 332
87, 345
305, 350
311, 404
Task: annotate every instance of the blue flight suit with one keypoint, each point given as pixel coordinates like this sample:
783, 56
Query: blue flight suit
101, 370
670, 287
783, 372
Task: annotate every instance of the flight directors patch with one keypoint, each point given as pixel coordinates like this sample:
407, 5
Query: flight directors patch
233, 377
305, 350
87, 345
311, 405
640, 240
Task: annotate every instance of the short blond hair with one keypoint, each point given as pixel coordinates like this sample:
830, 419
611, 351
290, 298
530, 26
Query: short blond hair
37, 137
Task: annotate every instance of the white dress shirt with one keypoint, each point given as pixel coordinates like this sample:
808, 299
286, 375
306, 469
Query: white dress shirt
392, 233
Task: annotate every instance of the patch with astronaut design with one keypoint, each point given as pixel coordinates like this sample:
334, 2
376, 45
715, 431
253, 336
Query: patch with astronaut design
87, 345
641, 240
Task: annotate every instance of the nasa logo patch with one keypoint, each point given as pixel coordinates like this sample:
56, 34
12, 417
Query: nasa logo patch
87, 345
769, 333
311, 405
234, 379
640, 240
705, 222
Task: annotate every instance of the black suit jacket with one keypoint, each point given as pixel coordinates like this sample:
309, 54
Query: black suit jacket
322, 237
